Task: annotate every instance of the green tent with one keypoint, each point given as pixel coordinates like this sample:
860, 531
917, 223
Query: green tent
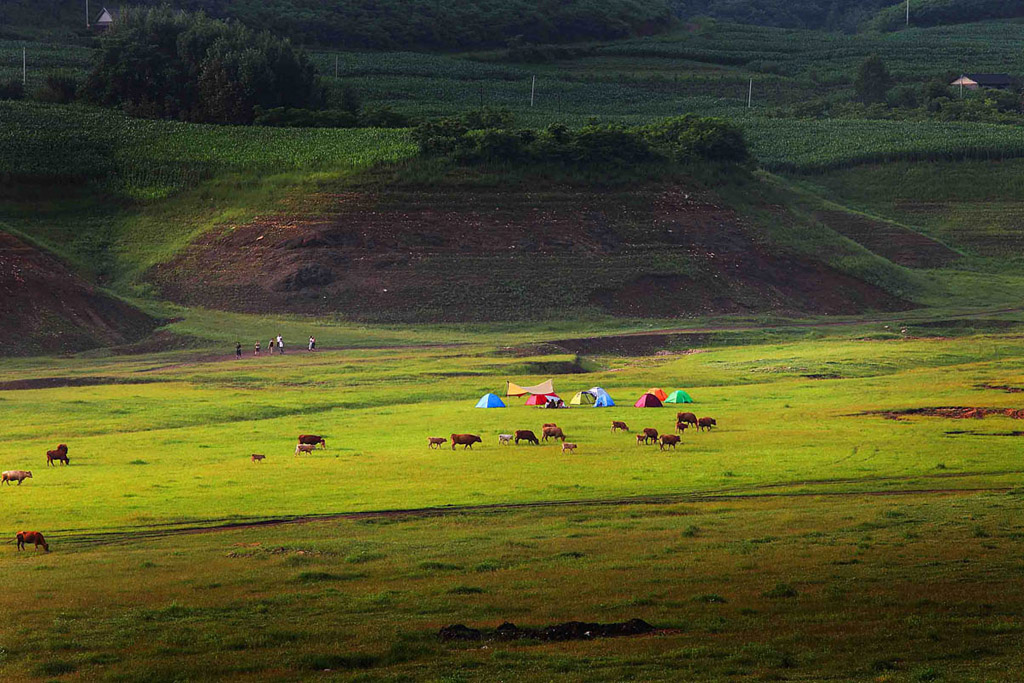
679, 396
584, 398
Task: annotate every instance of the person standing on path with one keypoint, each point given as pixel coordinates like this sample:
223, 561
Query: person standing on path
256, 349
270, 346
238, 350
280, 345
312, 343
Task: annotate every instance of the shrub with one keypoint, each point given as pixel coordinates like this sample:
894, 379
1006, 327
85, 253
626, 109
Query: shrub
58, 88
12, 90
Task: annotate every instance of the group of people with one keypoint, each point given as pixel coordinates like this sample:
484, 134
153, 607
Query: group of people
275, 343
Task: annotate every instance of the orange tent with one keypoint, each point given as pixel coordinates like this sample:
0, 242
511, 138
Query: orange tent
660, 393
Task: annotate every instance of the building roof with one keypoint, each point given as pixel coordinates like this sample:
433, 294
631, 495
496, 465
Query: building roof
990, 79
107, 16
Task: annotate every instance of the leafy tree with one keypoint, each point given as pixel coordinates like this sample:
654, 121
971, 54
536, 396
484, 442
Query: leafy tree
161, 63
873, 81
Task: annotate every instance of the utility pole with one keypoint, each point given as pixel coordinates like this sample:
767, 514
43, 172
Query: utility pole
750, 94
335, 66
908, 12
533, 90
87, 19
24, 67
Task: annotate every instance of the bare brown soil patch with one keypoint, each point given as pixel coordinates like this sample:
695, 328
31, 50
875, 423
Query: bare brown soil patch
894, 242
61, 382
951, 413
47, 308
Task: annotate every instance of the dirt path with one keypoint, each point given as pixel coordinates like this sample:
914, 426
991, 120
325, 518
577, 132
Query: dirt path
750, 493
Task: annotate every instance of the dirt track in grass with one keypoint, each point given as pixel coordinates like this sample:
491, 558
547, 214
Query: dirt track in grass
738, 493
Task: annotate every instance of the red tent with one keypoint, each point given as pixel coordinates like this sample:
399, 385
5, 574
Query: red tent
648, 401
540, 399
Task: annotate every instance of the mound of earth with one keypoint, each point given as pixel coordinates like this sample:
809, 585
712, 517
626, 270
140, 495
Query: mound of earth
46, 308
570, 630
453, 254
953, 413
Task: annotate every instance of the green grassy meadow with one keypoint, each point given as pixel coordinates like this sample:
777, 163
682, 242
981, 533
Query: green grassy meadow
874, 548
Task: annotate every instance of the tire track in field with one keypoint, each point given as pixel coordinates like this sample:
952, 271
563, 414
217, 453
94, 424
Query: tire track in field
76, 537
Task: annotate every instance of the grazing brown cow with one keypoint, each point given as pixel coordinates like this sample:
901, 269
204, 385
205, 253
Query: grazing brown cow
465, 440
688, 418
706, 423
60, 454
33, 537
304, 448
436, 441
681, 427
15, 475
258, 457
554, 433
567, 446
650, 435
668, 440
526, 435
313, 440
616, 426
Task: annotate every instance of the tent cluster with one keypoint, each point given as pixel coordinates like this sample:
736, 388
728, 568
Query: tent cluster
655, 398
595, 397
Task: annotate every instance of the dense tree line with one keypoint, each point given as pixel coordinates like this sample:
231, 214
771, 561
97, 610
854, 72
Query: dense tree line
832, 15
400, 24
490, 137
164, 64
940, 12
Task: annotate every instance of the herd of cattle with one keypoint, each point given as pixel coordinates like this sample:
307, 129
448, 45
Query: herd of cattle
307, 443
550, 430
59, 454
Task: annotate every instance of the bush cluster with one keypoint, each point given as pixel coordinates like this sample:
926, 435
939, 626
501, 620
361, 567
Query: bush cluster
159, 63
489, 136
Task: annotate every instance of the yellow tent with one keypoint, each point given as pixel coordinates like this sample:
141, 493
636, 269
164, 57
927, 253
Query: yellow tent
542, 388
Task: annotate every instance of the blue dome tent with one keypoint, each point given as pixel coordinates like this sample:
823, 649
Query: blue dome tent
490, 401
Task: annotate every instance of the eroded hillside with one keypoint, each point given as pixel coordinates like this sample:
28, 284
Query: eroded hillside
467, 253
47, 308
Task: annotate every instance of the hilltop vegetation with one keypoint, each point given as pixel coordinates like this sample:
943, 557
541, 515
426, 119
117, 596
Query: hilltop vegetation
941, 12
832, 15
394, 24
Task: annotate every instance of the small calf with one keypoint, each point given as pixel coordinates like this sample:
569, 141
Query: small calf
641, 439
566, 446
706, 423
504, 439
304, 448
617, 425
436, 441
256, 457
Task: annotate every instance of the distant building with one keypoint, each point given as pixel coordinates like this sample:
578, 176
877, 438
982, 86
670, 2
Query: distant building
975, 81
106, 19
